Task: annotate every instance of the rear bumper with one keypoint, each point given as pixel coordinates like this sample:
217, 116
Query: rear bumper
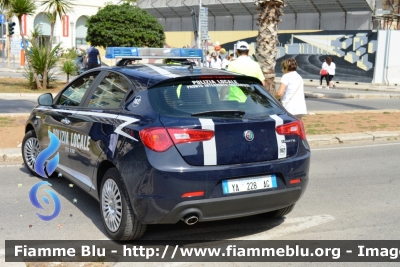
234, 206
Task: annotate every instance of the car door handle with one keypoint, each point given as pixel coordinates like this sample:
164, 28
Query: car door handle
66, 121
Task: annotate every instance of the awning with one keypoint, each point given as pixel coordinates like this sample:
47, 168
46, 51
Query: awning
182, 8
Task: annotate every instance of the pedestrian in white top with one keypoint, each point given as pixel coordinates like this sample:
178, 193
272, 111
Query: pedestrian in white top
332, 72
215, 62
225, 62
291, 90
330, 67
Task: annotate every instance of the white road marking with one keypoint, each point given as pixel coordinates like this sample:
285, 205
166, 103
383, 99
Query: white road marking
289, 226
2, 252
7, 166
353, 147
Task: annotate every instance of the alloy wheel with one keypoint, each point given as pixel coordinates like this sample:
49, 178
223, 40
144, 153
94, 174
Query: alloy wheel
111, 202
31, 151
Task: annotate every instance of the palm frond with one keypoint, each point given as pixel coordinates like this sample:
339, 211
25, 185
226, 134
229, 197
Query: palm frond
58, 7
22, 7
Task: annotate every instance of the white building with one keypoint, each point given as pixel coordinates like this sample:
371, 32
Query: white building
71, 30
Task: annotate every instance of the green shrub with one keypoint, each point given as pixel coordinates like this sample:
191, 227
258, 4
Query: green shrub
37, 57
69, 68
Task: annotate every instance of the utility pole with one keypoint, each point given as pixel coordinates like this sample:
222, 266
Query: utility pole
8, 46
195, 30
199, 28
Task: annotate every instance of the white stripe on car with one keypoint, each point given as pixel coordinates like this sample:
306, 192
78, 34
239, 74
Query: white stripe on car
280, 139
209, 147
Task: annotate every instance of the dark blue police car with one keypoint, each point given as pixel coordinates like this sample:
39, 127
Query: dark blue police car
155, 144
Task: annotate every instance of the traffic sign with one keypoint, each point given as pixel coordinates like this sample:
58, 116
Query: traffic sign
204, 23
3, 19
22, 44
15, 47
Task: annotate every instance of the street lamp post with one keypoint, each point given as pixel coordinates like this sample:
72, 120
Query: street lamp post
72, 33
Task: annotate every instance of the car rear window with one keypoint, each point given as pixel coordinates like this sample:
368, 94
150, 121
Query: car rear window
213, 98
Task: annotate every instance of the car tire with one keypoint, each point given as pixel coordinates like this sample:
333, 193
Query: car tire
116, 209
279, 213
30, 150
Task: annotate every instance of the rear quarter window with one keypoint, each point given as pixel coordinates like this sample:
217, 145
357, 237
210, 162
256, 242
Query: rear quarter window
213, 98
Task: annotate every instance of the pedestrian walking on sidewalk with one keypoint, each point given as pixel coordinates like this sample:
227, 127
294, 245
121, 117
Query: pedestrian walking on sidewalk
332, 72
92, 55
328, 72
324, 74
225, 62
208, 59
291, 90
215, 62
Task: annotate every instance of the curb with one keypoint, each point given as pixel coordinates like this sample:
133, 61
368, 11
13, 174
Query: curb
11, 157
23, 95
16, 114
357, 86
349, 138
17, 70
14, 154
351, 95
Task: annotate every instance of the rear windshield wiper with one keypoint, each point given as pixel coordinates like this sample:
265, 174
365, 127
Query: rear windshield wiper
220, 112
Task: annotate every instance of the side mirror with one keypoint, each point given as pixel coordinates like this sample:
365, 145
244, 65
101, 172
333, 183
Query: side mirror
45, 99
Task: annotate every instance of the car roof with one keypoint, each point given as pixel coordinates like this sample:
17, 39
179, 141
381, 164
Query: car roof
152, 74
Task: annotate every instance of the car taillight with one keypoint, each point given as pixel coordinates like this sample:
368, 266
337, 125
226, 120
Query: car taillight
156, 139
180, 136
161, 139
293, 128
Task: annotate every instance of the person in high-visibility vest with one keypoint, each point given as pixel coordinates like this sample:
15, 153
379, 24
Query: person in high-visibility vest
243, 65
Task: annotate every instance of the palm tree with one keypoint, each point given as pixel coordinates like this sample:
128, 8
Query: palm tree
5, 4
36, 36
54, 8
69, 68
20, 8
267, 39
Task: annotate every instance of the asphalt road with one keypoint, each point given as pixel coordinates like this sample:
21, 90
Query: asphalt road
12, 74
345, 200
313, 104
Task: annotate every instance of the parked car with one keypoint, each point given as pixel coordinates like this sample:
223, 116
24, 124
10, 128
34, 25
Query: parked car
156, 144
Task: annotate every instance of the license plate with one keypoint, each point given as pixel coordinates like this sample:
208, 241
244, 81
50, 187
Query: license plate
248, 184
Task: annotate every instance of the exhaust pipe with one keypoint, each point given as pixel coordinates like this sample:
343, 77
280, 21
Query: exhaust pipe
191, 219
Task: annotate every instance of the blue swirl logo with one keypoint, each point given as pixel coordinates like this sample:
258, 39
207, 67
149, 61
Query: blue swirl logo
45, 170
35, 201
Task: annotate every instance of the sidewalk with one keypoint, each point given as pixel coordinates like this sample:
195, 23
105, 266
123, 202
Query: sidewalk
350, 90
342, 90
